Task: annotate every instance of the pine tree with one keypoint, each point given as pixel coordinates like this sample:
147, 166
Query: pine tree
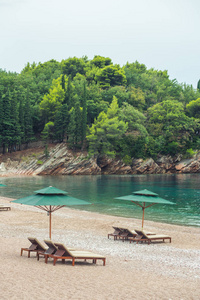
84, 114
61, 123
15, 133
69, 94
6, 124
198, 85
28, 126
75, 130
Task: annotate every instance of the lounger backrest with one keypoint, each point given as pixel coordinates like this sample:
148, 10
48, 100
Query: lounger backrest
52, 247
62, 247
141, 233
122, 230
117, 230
35, 241
131, 232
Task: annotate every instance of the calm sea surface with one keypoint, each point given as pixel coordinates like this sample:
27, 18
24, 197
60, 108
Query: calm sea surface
182, 189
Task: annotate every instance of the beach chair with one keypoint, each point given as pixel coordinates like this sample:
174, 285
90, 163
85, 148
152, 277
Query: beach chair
3, 208
121, 233
115, 234
64, 253
50, 250
127, 233
144, 237
35, 246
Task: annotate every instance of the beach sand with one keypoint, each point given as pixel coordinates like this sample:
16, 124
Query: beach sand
156, 271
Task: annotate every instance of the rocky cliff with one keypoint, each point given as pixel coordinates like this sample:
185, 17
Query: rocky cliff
62, 161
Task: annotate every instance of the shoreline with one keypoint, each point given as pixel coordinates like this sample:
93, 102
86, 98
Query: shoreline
128, 217
166, 270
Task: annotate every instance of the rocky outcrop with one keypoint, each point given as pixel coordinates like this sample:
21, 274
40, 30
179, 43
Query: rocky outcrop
117, 167
62, 161
149, 166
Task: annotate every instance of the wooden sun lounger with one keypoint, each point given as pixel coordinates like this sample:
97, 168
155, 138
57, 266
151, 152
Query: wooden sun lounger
51, 250
125, 233
143, 237
35, 246
115, 234
4, 208
122, 233
64, 253
130, 234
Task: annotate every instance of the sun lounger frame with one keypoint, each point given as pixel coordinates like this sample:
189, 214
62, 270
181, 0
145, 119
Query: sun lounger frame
51, 249
115, 234
143, 237
2, 208
64, 253
35, 246
125, 233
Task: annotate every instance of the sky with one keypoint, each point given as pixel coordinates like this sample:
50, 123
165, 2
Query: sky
162, 34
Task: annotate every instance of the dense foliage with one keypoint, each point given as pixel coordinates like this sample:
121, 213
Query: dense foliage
95, 105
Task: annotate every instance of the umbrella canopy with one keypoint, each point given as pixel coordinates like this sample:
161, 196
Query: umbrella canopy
142, 198
2, 184
50, 199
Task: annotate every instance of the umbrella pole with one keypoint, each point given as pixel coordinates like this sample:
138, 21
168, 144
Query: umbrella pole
143, 208
50, 222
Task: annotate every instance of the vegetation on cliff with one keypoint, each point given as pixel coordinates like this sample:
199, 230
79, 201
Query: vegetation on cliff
129, 111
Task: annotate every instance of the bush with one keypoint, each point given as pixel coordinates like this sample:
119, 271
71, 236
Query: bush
127, 160
46, 151
189, 153
173, 148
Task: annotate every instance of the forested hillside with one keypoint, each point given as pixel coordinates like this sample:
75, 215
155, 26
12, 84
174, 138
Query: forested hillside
95, 105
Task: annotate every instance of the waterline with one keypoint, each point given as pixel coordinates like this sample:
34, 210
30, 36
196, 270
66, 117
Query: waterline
182, 189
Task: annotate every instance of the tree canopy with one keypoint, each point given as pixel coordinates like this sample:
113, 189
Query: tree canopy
127, 111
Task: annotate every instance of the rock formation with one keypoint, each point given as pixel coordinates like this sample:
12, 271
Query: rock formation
62, 161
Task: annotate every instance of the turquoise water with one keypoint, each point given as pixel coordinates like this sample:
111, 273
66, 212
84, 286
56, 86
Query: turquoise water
182, 189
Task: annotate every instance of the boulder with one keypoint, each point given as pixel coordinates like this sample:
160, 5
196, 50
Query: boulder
182, 164
149, 167
166, 163
116, 167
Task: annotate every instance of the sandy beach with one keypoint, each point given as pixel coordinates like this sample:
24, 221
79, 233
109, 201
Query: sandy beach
156, 271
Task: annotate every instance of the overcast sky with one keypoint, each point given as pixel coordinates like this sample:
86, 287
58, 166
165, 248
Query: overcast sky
162, 34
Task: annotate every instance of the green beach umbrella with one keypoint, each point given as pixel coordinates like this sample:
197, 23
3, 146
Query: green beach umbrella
2, 184
50, 199
144, 199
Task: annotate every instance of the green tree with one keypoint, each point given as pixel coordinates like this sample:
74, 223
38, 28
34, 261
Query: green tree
10, 129
105, 131
118, 91
28, 125
73, 65
61, 123
110, 76
95, 103
134, 118
136, 97
84, 114
198, 85
48, 132
188, 94
193, 108
168, 119
53, 100
133, 73
69, 92
75, 128
100, 61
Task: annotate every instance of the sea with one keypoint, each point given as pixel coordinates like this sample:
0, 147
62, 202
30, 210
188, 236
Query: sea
101, 190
